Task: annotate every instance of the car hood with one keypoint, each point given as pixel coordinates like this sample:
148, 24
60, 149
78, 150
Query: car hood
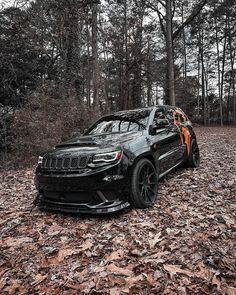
102, 141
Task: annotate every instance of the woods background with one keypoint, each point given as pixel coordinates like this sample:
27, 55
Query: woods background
66, 62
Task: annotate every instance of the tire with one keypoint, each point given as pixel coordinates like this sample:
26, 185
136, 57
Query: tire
144, 185
193, 160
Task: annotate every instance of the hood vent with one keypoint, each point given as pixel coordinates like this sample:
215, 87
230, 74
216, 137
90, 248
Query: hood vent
76, 143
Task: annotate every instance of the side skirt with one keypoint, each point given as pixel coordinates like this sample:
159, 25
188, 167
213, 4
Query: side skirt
170, 169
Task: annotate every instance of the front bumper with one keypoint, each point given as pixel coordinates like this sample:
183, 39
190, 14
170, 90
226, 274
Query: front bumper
98, 191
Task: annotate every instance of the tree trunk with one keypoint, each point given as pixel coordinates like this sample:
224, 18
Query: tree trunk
232, 59
207, 97
95, 56
218, 70
169, 52
198, 79
184, 50
137, 68
149, 82
201, 49
127, 78
222, 79
88, 78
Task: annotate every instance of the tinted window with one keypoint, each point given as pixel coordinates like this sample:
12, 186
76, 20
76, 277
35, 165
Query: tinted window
159, 114
121, 122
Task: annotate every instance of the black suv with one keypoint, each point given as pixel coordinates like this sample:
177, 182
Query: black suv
117, 162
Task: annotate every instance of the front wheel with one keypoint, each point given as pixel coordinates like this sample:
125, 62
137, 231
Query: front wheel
144, 185
194, 156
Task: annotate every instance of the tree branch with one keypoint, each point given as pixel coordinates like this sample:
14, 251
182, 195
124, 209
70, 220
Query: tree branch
162, 3
197, 9
160, 15
151, 6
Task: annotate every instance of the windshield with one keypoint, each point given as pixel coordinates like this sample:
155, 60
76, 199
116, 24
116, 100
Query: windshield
121, 122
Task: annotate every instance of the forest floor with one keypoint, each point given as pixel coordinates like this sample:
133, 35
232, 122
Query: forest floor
185, 244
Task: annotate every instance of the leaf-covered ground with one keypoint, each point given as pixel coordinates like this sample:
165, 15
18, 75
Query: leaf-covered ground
185, 244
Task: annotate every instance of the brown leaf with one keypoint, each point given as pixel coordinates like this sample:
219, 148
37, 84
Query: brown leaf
116, 255
87, 286
204, 272
230, 291
173, 269
38, 279
216, 281
118, 270
86, 245
114, 291
155, 240
133, 280
16, 242
149, 225
117, 291
66, 252
13, 288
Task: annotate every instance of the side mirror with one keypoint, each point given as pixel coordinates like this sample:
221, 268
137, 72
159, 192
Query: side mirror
158, 124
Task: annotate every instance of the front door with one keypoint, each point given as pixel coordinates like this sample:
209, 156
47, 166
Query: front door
167, 144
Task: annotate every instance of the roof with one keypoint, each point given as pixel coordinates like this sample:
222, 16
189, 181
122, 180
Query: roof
145, 108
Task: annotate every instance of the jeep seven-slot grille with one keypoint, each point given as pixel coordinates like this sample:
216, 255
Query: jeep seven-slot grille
64, 163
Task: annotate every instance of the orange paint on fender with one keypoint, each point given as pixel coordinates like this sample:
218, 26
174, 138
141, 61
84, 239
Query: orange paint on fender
184, 133
186, 137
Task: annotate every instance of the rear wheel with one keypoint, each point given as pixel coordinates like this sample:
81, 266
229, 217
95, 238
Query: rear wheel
144, 185
194, 156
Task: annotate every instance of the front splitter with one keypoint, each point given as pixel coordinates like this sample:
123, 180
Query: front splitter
102, 208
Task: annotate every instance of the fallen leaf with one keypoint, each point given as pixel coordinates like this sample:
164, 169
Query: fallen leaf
173, 269
155, 240
114, 291
66, 252
116, 255
87, 286
118, 270
230, 291
133, 280
216, 281
86, 245
16, 242
14, 288
38, 279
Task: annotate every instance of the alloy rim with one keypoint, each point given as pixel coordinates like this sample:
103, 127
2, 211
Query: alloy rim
147, 183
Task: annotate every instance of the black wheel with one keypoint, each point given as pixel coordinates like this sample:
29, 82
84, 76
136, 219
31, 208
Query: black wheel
194, 157
144, 184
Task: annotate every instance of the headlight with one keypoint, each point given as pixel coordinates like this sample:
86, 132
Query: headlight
107, 157
40, 160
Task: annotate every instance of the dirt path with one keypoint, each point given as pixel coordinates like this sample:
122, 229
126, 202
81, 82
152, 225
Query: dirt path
185, 244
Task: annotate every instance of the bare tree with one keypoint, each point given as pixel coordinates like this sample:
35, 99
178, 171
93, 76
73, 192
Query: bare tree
166, 23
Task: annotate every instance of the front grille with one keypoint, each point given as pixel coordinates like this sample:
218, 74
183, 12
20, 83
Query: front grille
64, 163
53, 163
47, 165
74, 163
83, 162
59, 163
